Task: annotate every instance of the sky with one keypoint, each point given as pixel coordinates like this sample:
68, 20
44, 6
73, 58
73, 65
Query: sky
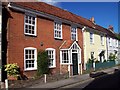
105, 13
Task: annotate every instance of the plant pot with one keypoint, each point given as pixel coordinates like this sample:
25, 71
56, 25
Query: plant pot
12, 78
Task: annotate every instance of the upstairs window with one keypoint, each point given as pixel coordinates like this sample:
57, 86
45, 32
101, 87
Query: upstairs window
30, 25
111, 41
57, 30
74, 33
91, 37
102, 40
116, 43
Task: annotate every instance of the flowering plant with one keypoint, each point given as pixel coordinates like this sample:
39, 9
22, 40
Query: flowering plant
12, 69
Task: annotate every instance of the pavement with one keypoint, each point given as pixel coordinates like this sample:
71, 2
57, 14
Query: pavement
73, 79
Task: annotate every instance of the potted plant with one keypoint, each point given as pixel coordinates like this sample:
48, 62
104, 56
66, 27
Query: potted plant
12, 71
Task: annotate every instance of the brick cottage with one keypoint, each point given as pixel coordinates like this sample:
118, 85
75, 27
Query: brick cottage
36, 26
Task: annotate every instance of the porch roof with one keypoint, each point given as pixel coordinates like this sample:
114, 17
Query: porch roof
67, 44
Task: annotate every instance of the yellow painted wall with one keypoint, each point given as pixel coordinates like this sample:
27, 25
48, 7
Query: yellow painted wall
95, 47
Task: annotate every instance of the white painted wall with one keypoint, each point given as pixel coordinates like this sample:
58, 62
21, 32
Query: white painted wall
112, 46
119, 50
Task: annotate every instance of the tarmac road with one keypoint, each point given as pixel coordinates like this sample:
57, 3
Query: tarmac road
104, 81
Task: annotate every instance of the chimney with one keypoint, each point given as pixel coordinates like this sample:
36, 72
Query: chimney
92, 19
110, 27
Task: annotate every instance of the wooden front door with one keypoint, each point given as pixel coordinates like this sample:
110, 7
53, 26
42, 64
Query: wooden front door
75, 63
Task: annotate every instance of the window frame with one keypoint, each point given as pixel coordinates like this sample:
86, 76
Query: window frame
76, 34
54, 57
58, 23
102, 39
35, 58
116, 43
35, 25
111, 42
92, 38
61, 56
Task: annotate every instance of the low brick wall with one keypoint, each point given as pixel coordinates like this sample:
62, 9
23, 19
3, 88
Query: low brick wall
38, 80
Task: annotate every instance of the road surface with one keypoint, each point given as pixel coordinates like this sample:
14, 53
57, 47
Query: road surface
104, 81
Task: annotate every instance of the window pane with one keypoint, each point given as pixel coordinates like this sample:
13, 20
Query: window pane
26, 21
26, 65
65, 58
32, 32
26, 56
32, 51
32, 56
29, 24
29, 58
51, 57
32, 65
73, 33
58, 30
33, 22
26, 52
26, 26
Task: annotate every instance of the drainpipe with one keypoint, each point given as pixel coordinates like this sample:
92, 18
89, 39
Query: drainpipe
83, 47
107, 46
69, 70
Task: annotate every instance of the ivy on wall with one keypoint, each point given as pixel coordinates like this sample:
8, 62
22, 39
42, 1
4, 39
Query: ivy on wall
42, 63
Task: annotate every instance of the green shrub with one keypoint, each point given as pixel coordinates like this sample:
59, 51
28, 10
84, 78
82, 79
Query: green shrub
97, 61
12, 69
90, 60
105, 61
112, 56
42, 63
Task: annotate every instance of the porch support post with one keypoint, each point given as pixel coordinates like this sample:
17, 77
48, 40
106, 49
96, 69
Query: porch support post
69, 70
81, 72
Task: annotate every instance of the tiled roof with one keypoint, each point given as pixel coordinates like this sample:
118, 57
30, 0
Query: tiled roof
49, 9
108, 32
52, 10
66, 44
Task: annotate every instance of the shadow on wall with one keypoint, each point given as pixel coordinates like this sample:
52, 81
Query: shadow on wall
105, 81
5, 16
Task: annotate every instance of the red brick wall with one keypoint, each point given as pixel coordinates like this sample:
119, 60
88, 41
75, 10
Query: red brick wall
17, 41
64, 69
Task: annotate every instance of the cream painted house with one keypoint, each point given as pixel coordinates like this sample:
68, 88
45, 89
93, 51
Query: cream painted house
94, 45
98, 42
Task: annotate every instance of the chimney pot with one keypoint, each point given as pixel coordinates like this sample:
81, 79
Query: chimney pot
110, 27
92, 19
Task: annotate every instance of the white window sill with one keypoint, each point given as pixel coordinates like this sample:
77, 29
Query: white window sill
58, 38
52, 67
30, 34
30, 69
